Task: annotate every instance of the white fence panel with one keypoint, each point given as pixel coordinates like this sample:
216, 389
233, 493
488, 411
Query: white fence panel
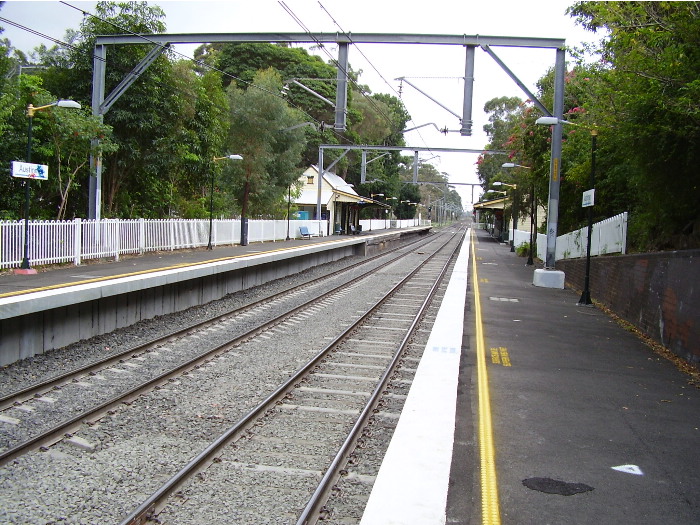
608, 236
74, 241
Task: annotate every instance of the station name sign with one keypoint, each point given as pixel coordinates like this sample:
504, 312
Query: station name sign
26, 170
588, 199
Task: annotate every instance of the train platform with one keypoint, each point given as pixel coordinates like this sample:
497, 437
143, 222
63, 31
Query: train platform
526, 408
69, 275
547, 413
59, 306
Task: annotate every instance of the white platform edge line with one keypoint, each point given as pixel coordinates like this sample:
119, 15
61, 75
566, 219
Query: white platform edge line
412, 483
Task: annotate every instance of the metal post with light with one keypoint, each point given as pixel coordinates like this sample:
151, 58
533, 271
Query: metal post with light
512, 203
289, 203
589, 201
211, 196
372, 196
530, 261
31, 110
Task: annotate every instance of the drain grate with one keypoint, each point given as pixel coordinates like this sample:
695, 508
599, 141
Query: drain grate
555, 486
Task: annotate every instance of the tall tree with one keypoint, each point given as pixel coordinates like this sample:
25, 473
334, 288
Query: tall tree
260, 122
649, 107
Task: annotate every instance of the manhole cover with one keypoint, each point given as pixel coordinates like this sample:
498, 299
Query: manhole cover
555, 486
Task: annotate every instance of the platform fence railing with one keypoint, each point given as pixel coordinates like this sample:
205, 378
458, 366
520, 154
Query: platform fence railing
79, 240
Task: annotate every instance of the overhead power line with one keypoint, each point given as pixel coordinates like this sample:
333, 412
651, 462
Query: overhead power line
198, 62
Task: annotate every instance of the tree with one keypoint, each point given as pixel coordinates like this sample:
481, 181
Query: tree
133, 182
260, 122
69, 136
649, 105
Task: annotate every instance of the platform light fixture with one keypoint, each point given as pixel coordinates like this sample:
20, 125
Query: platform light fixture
31, 110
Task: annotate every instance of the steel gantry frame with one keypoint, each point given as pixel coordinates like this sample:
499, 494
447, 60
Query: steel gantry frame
366, 148
100, 104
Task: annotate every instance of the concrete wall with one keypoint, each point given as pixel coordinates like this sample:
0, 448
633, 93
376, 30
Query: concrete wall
57, 318
659, 293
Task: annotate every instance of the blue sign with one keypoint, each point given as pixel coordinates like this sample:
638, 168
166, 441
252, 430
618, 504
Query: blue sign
25, 170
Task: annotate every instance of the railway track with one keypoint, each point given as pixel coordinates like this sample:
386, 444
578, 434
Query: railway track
43, 419
326, 406
355, 374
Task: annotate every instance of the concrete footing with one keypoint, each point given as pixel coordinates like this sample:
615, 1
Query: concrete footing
545, 278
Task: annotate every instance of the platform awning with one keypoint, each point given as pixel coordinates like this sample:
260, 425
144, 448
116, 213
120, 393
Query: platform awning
496, 204
310, 197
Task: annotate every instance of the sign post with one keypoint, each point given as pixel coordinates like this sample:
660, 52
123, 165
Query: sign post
28, 171
587, 202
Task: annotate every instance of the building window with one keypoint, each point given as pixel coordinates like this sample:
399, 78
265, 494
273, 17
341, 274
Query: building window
309, 179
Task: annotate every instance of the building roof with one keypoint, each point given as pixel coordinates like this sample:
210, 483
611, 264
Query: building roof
495, 204
334, 187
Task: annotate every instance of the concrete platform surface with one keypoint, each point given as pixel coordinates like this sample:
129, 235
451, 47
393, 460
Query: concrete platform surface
590, 426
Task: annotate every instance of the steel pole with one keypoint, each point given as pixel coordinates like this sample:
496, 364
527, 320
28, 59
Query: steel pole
555, 162
586, 295
211, 209
289, 200
530, 262
25, 259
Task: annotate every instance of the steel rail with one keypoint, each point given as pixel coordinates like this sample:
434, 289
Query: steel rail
57, 432
151, 505
313, 508
18, 396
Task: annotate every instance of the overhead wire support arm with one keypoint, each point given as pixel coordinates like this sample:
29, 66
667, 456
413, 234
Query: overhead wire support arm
512, 75
403, 79
302, 86
129, 79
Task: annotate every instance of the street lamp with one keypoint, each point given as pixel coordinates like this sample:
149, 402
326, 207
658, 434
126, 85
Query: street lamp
386, 212
31, 110
211, 195
289, 202
530, 261
512, 203
585, 299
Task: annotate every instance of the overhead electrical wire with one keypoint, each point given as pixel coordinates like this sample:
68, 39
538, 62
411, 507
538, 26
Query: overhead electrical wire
349, 36
199, 63
203, 64
337, 64
42, 35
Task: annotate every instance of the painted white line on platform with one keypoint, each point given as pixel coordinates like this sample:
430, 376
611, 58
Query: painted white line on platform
411, 487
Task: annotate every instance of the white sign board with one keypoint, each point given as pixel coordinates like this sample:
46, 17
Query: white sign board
25, 170
588, 198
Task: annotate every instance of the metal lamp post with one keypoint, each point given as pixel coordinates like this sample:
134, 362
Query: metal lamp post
31, 110
585, 299
289, 202
549, 121
530, 261
211, 196
372, 196
512, 201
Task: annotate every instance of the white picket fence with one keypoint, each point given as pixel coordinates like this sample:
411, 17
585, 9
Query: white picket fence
608, 236
52, 242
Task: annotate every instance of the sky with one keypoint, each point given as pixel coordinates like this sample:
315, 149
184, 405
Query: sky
436, 70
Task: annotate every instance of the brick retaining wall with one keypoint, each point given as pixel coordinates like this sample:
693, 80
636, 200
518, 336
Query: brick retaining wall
659, 293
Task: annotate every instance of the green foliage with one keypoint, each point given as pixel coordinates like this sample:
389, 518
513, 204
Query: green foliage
648, 113
522, 249
158, 140
272, 153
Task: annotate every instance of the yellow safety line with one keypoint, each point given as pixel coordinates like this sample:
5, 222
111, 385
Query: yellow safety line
143, 272
490, 511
